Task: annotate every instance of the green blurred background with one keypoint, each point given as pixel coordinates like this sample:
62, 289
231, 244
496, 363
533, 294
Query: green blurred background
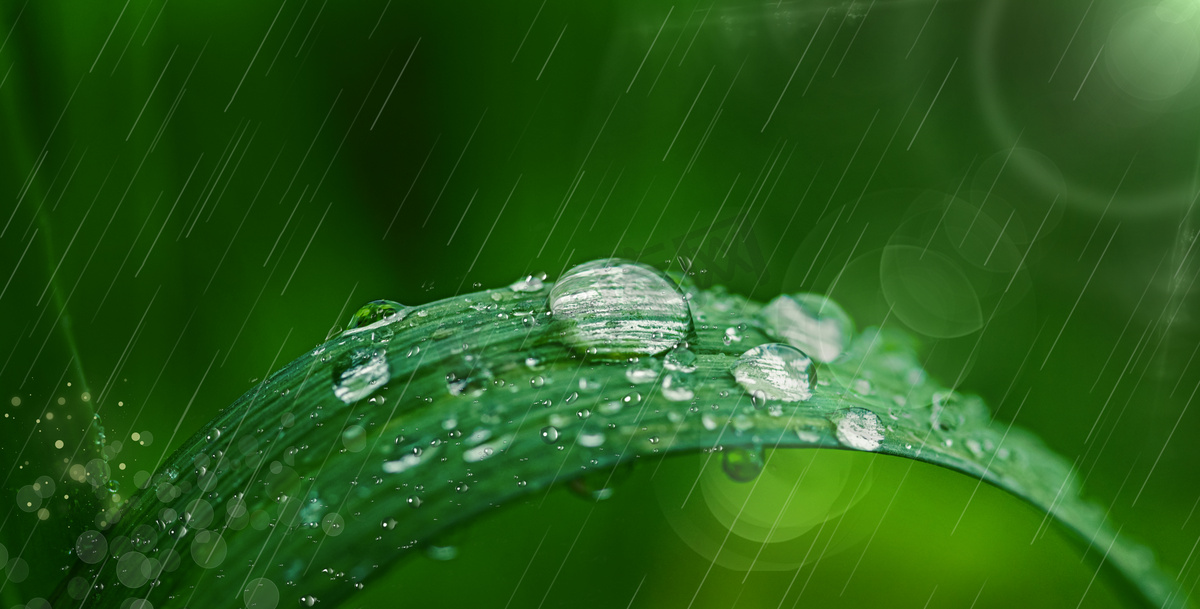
197, 192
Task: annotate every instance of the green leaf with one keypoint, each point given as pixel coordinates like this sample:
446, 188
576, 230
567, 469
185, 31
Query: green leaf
416, 419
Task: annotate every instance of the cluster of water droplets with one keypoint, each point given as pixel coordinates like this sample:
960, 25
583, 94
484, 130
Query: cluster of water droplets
610, 342
364, 369
621, 311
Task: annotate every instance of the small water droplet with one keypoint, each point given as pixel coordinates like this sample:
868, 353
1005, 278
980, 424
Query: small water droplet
442, 553
863, 387
731, 336
810, 322
742, 465
359, 373
644, 371
550, 434
591, 439
599, 485
613, 309
859, 428
680, 359
529, 283
777, 371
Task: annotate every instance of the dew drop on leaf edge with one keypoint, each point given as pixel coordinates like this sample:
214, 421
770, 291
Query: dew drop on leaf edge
741, 464
377, 311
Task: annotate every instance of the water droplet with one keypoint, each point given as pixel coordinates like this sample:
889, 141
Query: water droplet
812, 323
742, 465
675, 387
468, 376
376, 311
591, 439
616, 309
529, 283
441, 552
680, 359
485, 451
644, 371
860, 428
731, 336
758, 399
599, 485
411, 460
550, 434
359, 372
778, 371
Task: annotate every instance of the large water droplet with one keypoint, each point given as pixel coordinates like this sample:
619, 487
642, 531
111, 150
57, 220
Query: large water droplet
860, 428
810, 322
617, 308
359, 372
376, 311
776, 372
